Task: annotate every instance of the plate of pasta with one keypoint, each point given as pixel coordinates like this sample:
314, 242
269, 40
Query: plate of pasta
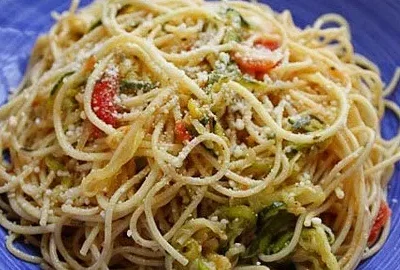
199, 135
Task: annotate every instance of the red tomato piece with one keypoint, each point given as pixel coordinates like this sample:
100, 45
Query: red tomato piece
104, 93
181, 132
254, 67
380, 221
267, 43
257, 66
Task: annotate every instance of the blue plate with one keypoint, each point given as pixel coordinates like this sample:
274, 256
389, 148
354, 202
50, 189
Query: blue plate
375, 27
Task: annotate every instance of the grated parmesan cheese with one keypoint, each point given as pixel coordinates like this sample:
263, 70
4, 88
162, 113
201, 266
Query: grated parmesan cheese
239, 124
12, 121
339, 193
60, 173
224, 221
316, 221
214, 218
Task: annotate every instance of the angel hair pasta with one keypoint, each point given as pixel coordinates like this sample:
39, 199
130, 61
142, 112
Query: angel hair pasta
196, 135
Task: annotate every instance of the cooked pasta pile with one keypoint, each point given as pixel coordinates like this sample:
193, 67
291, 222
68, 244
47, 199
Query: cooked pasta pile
182, 134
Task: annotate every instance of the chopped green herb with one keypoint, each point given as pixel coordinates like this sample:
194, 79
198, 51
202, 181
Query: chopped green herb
132, 87
306, 123
204, 121
223, 72
66, 181
236, 19
251, 83
231, 35
53, 164
299, 122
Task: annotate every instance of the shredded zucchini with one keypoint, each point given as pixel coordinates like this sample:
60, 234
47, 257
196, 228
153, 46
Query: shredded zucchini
95, 25
59, 83
315, 241
53, 164
275, 228
132, 87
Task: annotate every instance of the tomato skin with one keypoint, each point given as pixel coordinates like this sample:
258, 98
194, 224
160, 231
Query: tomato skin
95, 132
181, 132
254, 67
380, 221
258, 67
267, 43
104, 93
